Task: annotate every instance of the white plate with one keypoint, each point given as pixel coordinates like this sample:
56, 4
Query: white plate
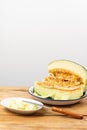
5, 103
55, 102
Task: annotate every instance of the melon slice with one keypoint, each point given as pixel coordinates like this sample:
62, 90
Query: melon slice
57, 94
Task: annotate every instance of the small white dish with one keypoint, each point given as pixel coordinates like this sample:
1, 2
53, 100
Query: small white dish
55, 102
5, 103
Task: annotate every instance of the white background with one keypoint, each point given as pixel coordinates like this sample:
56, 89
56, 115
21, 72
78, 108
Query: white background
35, 32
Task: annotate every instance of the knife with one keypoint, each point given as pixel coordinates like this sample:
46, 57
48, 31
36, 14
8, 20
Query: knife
59, 110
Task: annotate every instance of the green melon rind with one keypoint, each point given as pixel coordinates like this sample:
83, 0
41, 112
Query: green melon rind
71, 66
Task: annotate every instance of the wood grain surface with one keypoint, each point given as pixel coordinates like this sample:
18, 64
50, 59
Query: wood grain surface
42, 120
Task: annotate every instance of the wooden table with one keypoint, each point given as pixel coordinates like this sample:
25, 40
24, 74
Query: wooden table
42, 120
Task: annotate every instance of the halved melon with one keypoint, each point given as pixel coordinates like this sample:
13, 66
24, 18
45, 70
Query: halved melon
68, 73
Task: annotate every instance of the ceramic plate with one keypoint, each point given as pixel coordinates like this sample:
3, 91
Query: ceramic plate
55, 102
5, 103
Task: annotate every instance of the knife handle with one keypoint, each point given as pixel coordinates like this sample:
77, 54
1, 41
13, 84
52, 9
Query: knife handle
67, 112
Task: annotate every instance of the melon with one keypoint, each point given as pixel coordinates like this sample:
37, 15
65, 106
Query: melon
66, 80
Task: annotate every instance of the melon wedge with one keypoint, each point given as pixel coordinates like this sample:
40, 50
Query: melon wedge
57, 94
